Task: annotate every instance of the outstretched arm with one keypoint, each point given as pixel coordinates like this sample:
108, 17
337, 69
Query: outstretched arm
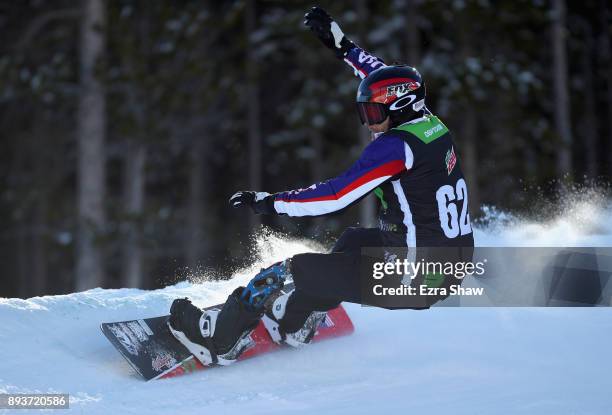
330, 34
380, 161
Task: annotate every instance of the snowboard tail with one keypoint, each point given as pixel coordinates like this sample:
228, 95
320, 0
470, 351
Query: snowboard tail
154, 353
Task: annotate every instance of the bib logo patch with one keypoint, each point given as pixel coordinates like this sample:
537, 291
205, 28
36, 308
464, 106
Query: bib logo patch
450, 160
435, 129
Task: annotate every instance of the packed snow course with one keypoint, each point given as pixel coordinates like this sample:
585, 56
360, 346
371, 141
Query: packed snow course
440, 361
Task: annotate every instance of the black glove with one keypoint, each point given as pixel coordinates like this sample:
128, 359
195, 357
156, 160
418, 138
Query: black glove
328, 31
262, 203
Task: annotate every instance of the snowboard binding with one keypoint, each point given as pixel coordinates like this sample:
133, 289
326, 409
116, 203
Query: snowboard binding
265, 286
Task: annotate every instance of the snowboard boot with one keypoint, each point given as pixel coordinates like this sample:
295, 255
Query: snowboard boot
296, 330
214, 336
221, 336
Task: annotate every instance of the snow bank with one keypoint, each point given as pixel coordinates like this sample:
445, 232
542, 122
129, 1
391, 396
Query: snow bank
441, 361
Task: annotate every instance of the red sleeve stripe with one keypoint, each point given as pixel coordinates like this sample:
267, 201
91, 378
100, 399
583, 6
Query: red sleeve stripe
388, 169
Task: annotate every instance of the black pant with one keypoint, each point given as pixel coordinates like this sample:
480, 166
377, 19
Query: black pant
323, 281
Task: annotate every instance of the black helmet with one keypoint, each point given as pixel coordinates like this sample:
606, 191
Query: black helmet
396, 91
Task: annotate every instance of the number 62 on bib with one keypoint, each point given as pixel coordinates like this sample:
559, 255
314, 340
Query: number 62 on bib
448, 198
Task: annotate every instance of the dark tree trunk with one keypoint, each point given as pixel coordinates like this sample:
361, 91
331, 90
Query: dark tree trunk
38, 279
412, 35
469, 125
23, 270
91, 126
469, 164
561, 92
135, 160
367, 206
589, 120
605, 54
253, 108
197, 211
134, 195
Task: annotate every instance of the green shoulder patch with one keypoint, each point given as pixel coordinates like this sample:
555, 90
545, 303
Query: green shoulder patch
427, 130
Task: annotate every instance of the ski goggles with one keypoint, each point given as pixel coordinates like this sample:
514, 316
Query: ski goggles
371, 112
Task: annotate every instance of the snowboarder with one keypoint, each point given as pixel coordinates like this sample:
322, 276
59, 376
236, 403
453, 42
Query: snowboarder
411, 165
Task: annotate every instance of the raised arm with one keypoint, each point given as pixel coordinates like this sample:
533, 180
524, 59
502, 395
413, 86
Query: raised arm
362, 62
330, 34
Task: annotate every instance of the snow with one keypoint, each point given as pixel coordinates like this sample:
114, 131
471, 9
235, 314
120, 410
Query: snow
439, 361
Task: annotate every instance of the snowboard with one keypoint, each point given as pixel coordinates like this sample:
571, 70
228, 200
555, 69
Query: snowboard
154, 353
